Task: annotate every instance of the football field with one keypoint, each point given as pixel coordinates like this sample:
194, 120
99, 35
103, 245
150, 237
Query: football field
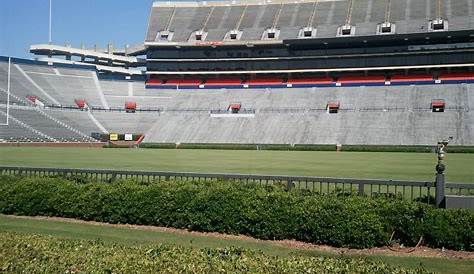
374, 165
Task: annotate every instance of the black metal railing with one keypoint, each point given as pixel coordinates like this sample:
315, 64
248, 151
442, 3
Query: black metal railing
240, 111
410, 190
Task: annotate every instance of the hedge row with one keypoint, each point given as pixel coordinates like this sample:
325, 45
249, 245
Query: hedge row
301, 147
261, 212
41, 254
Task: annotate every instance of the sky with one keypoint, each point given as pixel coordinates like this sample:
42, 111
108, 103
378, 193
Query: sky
75, 22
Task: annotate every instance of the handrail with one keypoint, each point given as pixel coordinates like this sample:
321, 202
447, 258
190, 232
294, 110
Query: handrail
168, 23
237, 26
277, 17
322, 185
240, 176
206, 20
313, 14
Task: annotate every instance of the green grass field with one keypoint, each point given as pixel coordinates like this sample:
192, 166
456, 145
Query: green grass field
375, 165
403, 166
129, 236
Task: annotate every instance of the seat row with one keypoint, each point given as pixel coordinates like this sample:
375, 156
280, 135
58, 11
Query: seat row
270, 82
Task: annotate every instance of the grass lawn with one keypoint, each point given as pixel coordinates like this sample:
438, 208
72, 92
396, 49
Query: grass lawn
375, 165
128, 236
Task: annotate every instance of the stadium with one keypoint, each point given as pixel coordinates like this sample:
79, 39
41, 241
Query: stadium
339, 101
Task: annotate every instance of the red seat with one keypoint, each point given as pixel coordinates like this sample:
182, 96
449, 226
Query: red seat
154, 81
457, 76
361, 79
171, 82
32, 98
130, 106
234, 106
265, 81
182, 82
437, 104
333, 105
223, 82
189, 82
308, 81
81, 103
412, 78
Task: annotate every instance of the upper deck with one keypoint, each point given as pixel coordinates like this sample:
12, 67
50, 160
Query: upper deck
271, 22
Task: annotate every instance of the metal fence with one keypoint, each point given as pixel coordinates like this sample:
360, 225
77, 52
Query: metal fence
342, 186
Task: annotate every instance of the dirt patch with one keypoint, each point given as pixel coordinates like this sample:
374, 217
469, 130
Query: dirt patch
421, 251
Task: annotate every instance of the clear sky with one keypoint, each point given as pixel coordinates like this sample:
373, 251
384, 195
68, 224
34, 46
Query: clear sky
75, 22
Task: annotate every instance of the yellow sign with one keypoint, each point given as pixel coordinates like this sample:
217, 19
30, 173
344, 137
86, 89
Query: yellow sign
113, 137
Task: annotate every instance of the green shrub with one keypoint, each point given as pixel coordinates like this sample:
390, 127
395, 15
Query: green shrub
308, 147
263, 212
158, 145
218, 146
43, 254
450, 229
314, 148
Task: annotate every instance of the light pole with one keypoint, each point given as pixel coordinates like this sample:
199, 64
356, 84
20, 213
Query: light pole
440, 168
50, 41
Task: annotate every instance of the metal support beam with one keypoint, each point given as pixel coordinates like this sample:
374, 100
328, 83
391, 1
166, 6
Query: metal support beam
361, 189
440, 185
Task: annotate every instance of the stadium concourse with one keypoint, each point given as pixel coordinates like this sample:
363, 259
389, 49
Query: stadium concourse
372, 72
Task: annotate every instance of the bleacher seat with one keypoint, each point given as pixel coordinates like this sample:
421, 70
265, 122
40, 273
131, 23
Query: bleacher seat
467, 77
412, 79
310, 82
173, 83
182, 83
130, 107
370, 115
223, 83
438, 105
256, 21
361, 80
274, 82
265, 83
80, 103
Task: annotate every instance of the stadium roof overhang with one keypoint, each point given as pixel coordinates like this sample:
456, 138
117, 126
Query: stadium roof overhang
133, 51
100, 68
194, 3
213, 44
99, 57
